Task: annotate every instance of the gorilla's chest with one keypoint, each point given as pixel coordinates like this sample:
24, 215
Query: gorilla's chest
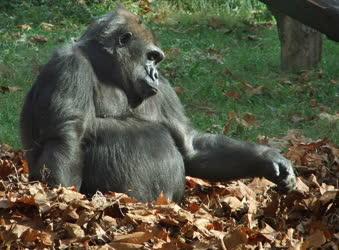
124, 131
112, 102
134, 153
109, 101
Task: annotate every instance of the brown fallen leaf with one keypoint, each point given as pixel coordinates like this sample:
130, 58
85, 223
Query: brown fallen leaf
193, 207
39, 39
268, 232
329, 196
252, 90
34, 215
256, 90
233, 94
245, 191
313, 103
216, 22
68, 194
179, 90
47, 26
26, 199
253, 38
18, 230
235, 238
172, 53
233, 202
260, 185
107, 221
228, 72
9, 89
249, 221
145, 6
250, 119
297, 118
215, 55
125, 246
46, 238
315, 240
32, 235
162, 200
301, 186
304, 76
134, 238
24, 27
194, 182
329, 117
5, 203
6, 168
97, 231
74, 230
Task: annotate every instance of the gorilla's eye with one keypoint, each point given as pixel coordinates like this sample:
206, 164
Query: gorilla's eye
125, 38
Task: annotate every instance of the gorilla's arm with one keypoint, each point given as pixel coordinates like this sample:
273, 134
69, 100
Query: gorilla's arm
219, 158
59, 161
53, 119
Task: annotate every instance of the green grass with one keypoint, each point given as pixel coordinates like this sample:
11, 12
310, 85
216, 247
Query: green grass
198, 59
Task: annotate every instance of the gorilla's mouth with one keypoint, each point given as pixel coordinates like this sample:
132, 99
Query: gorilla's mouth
145, 87
149, 87
135, 101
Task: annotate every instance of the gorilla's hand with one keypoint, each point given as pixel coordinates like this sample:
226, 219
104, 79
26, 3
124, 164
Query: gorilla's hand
280, 171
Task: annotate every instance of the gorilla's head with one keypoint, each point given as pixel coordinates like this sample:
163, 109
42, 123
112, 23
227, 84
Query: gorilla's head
124, 53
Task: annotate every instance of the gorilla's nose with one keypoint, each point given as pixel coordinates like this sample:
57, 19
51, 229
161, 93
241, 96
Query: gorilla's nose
155, 54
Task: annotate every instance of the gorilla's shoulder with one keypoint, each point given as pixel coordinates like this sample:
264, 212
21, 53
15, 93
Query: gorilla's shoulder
69, 56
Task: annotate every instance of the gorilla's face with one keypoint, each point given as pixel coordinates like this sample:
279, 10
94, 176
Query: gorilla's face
133, 54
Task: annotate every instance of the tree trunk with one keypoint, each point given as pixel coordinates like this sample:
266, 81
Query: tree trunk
301, 46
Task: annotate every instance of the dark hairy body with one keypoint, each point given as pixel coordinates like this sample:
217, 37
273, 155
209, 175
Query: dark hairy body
101, 117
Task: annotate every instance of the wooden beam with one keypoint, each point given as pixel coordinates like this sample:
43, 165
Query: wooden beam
322, 15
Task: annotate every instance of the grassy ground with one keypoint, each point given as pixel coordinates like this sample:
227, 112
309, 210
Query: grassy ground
218, 64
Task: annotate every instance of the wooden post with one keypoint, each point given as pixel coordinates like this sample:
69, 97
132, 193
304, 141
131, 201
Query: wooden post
301, 46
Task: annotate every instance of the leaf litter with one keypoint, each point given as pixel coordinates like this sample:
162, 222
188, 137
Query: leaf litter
243, 214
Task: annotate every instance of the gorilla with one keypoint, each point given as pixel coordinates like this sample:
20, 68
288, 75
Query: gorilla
100, 116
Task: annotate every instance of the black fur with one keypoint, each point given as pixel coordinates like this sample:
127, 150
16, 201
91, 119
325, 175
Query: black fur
101, 117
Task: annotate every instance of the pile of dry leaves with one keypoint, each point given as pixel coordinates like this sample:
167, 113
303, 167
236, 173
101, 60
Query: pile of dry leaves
245, 214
